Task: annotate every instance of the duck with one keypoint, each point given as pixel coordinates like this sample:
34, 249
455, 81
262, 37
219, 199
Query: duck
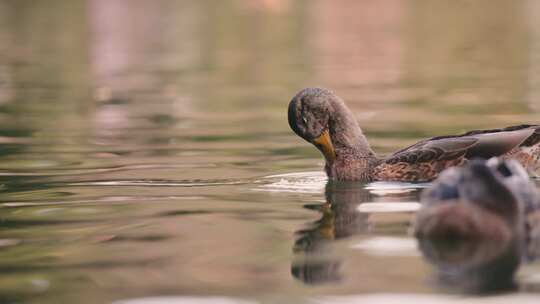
320, 117
482, 200
477, 224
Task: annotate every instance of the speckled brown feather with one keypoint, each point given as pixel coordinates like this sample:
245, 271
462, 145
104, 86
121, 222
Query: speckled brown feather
349, 167
528, 153
424, 160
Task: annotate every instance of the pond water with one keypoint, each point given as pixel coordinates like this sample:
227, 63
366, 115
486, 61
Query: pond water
145, 155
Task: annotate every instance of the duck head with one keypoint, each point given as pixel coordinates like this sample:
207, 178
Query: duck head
309, 117
321, 118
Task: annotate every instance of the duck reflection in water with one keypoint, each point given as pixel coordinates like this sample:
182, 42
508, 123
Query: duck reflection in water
340, 219
477, 224
475, 267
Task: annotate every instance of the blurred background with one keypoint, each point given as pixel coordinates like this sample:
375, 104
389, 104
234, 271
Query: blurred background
144, 148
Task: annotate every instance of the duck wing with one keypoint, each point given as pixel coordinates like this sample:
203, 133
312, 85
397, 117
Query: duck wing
433, 149
527, 152
534, 139
498, 143
424, 160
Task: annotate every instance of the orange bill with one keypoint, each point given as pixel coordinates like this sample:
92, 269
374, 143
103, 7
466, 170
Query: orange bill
324, 143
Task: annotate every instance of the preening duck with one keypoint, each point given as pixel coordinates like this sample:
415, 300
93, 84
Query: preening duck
322, 118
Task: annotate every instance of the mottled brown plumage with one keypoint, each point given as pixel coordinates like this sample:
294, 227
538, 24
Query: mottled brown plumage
322, 118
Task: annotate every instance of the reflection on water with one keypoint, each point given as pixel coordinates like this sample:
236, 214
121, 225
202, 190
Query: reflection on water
145, 153
464, 266
342, 216
184, 300
473, 267
339, 219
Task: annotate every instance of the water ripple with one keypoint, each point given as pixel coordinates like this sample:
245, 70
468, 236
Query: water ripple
388, 207
315, 182
84, 171
388, 188
92, 201
298, 182
388, 246
184, 300
159, 183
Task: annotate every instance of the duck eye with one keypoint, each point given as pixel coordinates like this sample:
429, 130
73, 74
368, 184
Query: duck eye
304, 120
504, 170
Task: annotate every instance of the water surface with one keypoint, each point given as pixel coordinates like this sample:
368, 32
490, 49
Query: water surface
145, 155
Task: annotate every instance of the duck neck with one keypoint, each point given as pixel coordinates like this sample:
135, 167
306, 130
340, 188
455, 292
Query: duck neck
346, 135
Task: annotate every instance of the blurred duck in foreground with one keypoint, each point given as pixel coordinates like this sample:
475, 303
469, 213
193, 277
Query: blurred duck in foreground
493, 200
478, 223
322, 118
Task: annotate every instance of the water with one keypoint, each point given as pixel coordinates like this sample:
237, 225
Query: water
145, 155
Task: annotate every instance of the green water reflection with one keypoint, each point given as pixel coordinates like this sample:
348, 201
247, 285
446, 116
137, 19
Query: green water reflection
137, 139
